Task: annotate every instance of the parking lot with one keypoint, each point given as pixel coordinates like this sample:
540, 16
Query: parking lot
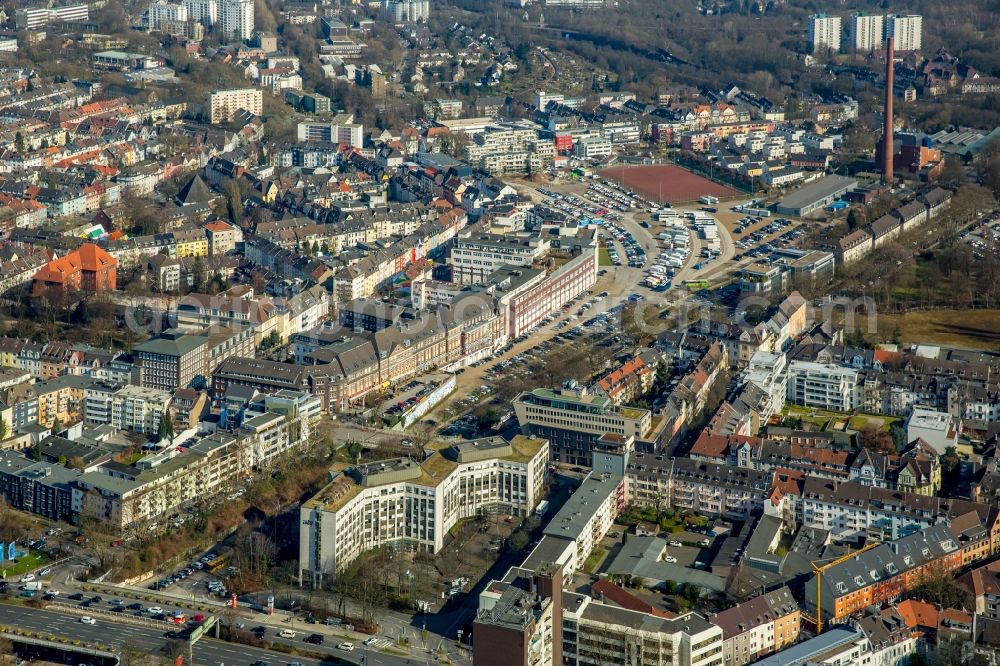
983, 237
199, 579
755, 236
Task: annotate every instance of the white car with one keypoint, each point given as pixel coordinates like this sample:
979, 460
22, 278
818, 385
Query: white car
370, 640
86, 619
27, 578
675, 544
670, 559
286, 633
346, 647
154, 610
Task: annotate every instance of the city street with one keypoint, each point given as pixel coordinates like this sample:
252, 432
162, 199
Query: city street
206, 651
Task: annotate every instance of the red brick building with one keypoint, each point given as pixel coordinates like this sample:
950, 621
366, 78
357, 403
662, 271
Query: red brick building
88, 269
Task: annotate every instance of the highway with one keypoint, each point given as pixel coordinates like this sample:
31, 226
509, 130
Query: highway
207, 651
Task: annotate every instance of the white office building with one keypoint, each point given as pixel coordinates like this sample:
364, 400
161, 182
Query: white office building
823, 386
865, 31
906, 31
205, 12
824, 32
236, 18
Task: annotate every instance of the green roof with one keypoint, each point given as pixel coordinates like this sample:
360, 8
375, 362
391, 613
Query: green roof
171, 343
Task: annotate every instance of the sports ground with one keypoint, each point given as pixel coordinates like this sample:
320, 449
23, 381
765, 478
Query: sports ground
667, 183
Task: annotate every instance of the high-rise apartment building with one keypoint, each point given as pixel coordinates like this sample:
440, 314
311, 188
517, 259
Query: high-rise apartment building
236, 18
408, 11
162, 12
824, 32
224, 104
865, 31
906, 31
335, 131
205, 12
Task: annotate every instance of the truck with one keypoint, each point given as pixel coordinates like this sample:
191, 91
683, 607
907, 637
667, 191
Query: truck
34, 585
708, 200
542, 508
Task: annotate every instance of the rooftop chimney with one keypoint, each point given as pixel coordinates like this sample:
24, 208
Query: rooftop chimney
887, 131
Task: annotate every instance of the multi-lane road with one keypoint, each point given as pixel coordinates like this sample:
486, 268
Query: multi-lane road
208, 651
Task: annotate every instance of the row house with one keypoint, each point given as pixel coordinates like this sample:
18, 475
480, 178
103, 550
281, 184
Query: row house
917, 470
852, 511
627, 383
706, 488
758, 627
926, 206
885, 573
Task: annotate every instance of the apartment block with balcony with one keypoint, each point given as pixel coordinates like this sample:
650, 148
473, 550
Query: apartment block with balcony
225, 104
823, 386
413, 505
602, 633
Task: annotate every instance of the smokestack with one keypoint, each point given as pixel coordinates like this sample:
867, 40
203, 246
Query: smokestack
887, 131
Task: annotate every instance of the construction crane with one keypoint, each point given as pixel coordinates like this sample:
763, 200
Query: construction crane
818, 569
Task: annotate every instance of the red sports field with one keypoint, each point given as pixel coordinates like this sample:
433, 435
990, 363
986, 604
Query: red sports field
667, 183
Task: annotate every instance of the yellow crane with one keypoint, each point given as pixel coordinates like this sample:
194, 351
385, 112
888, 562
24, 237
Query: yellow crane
818, 570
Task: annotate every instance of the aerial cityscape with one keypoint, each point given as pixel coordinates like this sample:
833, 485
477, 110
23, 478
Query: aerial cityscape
499, 332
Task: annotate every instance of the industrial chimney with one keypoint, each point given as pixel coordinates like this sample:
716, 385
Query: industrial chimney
887, 131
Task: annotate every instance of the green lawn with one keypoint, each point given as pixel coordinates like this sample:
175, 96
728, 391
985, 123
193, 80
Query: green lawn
23, 565
603, 258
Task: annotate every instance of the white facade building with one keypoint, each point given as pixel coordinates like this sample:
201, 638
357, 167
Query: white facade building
865, 32
162, 11
205, 12
906, 31
350, 134
413, 505
824, 32
822, 386
138, 408
236, 18
224, 104
475, 256
407, 11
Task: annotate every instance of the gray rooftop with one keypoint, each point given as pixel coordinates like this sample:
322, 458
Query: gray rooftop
172, 342
640, 556
821, 189
581, 506
804, 653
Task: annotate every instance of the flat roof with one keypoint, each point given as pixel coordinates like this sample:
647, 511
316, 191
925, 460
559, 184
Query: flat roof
812, 648
821, 189
582, 504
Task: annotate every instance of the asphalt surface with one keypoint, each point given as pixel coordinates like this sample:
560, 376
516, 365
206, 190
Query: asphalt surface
207, 651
